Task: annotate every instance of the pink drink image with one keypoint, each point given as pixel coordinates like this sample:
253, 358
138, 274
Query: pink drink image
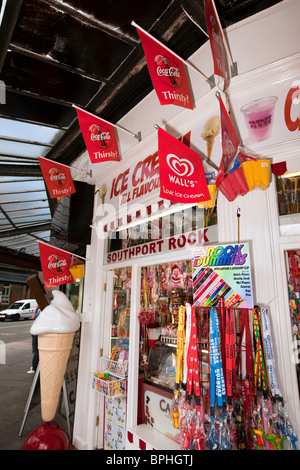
259, 117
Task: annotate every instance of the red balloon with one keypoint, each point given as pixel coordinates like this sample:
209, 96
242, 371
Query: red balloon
48, 436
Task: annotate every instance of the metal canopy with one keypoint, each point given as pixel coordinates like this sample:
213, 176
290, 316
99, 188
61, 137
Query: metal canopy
57, 53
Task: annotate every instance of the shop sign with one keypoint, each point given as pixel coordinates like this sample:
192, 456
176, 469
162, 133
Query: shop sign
155, 247
222, 271
138, 182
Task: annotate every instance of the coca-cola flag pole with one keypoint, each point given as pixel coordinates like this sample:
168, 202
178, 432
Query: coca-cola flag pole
167, 71
57, 177
182, 177
100, 137
56, 264
230, 142
218, 43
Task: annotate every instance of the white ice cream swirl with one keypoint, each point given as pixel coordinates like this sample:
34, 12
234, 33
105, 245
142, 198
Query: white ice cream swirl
58, 317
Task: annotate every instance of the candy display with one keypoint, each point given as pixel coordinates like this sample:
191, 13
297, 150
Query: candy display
55, 327
217, 363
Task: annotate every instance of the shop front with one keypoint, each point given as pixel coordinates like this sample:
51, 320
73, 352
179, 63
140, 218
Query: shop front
190, 329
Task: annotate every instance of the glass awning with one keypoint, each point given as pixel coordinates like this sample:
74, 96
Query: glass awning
25, 215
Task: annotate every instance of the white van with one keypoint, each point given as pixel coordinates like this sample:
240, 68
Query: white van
19, 309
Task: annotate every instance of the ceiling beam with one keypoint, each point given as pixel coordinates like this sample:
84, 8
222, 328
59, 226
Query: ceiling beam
22, 260
20, 170
91, 21
39, 97
28, 121
55, 63
24, 141
10, 16
25, 230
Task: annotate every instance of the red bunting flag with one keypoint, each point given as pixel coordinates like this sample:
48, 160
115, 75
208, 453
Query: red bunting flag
99, 136
182, 177
230, 143
216, 39
167, 72
57, 177
55, 265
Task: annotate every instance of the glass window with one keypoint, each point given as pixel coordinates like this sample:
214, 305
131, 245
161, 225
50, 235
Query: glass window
288, 196
293, 265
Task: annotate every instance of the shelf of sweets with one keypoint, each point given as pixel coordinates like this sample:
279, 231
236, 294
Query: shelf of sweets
117, 362
109, 385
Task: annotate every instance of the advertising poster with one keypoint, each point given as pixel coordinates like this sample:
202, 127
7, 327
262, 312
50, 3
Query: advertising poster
55, 265
222, 271
115, 424
271, 116
57, 177
167, 73
182, 177
99, 137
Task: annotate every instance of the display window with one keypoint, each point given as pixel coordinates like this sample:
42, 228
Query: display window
288, 196
293, 269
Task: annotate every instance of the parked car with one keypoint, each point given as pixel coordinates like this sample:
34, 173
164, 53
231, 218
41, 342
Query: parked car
19, 309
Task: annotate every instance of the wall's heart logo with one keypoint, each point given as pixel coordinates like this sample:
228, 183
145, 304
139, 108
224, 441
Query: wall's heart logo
180, 166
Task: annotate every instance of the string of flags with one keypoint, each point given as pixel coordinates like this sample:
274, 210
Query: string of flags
182, 176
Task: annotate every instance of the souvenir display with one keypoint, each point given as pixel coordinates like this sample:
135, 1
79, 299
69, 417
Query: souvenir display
214, 366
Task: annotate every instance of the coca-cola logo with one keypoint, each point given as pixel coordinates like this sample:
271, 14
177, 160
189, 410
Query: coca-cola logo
168, 71
57, 177
57, 264
100, 136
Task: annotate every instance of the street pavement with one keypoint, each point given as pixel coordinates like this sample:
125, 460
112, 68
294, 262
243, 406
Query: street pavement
15, 385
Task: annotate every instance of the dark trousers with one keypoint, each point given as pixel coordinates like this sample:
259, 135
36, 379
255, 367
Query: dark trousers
35, 352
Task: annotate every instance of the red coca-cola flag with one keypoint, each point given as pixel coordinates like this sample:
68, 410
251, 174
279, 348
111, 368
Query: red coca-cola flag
217, 40
55, 265
182, 177
230, 143
167, 72
99, 136
57, 177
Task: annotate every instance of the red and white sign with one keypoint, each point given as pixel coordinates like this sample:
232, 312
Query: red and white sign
216, 39
57, 177
167, 73
99, 136
182, 177
177, 242
55, 265
230, 143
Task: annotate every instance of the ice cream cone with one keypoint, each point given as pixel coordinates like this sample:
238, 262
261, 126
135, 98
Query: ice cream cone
102, 193
210, 130
209, 145
54, 352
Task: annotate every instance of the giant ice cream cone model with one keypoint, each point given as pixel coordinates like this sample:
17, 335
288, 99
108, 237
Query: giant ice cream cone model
55, 327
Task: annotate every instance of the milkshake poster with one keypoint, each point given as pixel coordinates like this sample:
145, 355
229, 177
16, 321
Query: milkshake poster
222, 271
271, 116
